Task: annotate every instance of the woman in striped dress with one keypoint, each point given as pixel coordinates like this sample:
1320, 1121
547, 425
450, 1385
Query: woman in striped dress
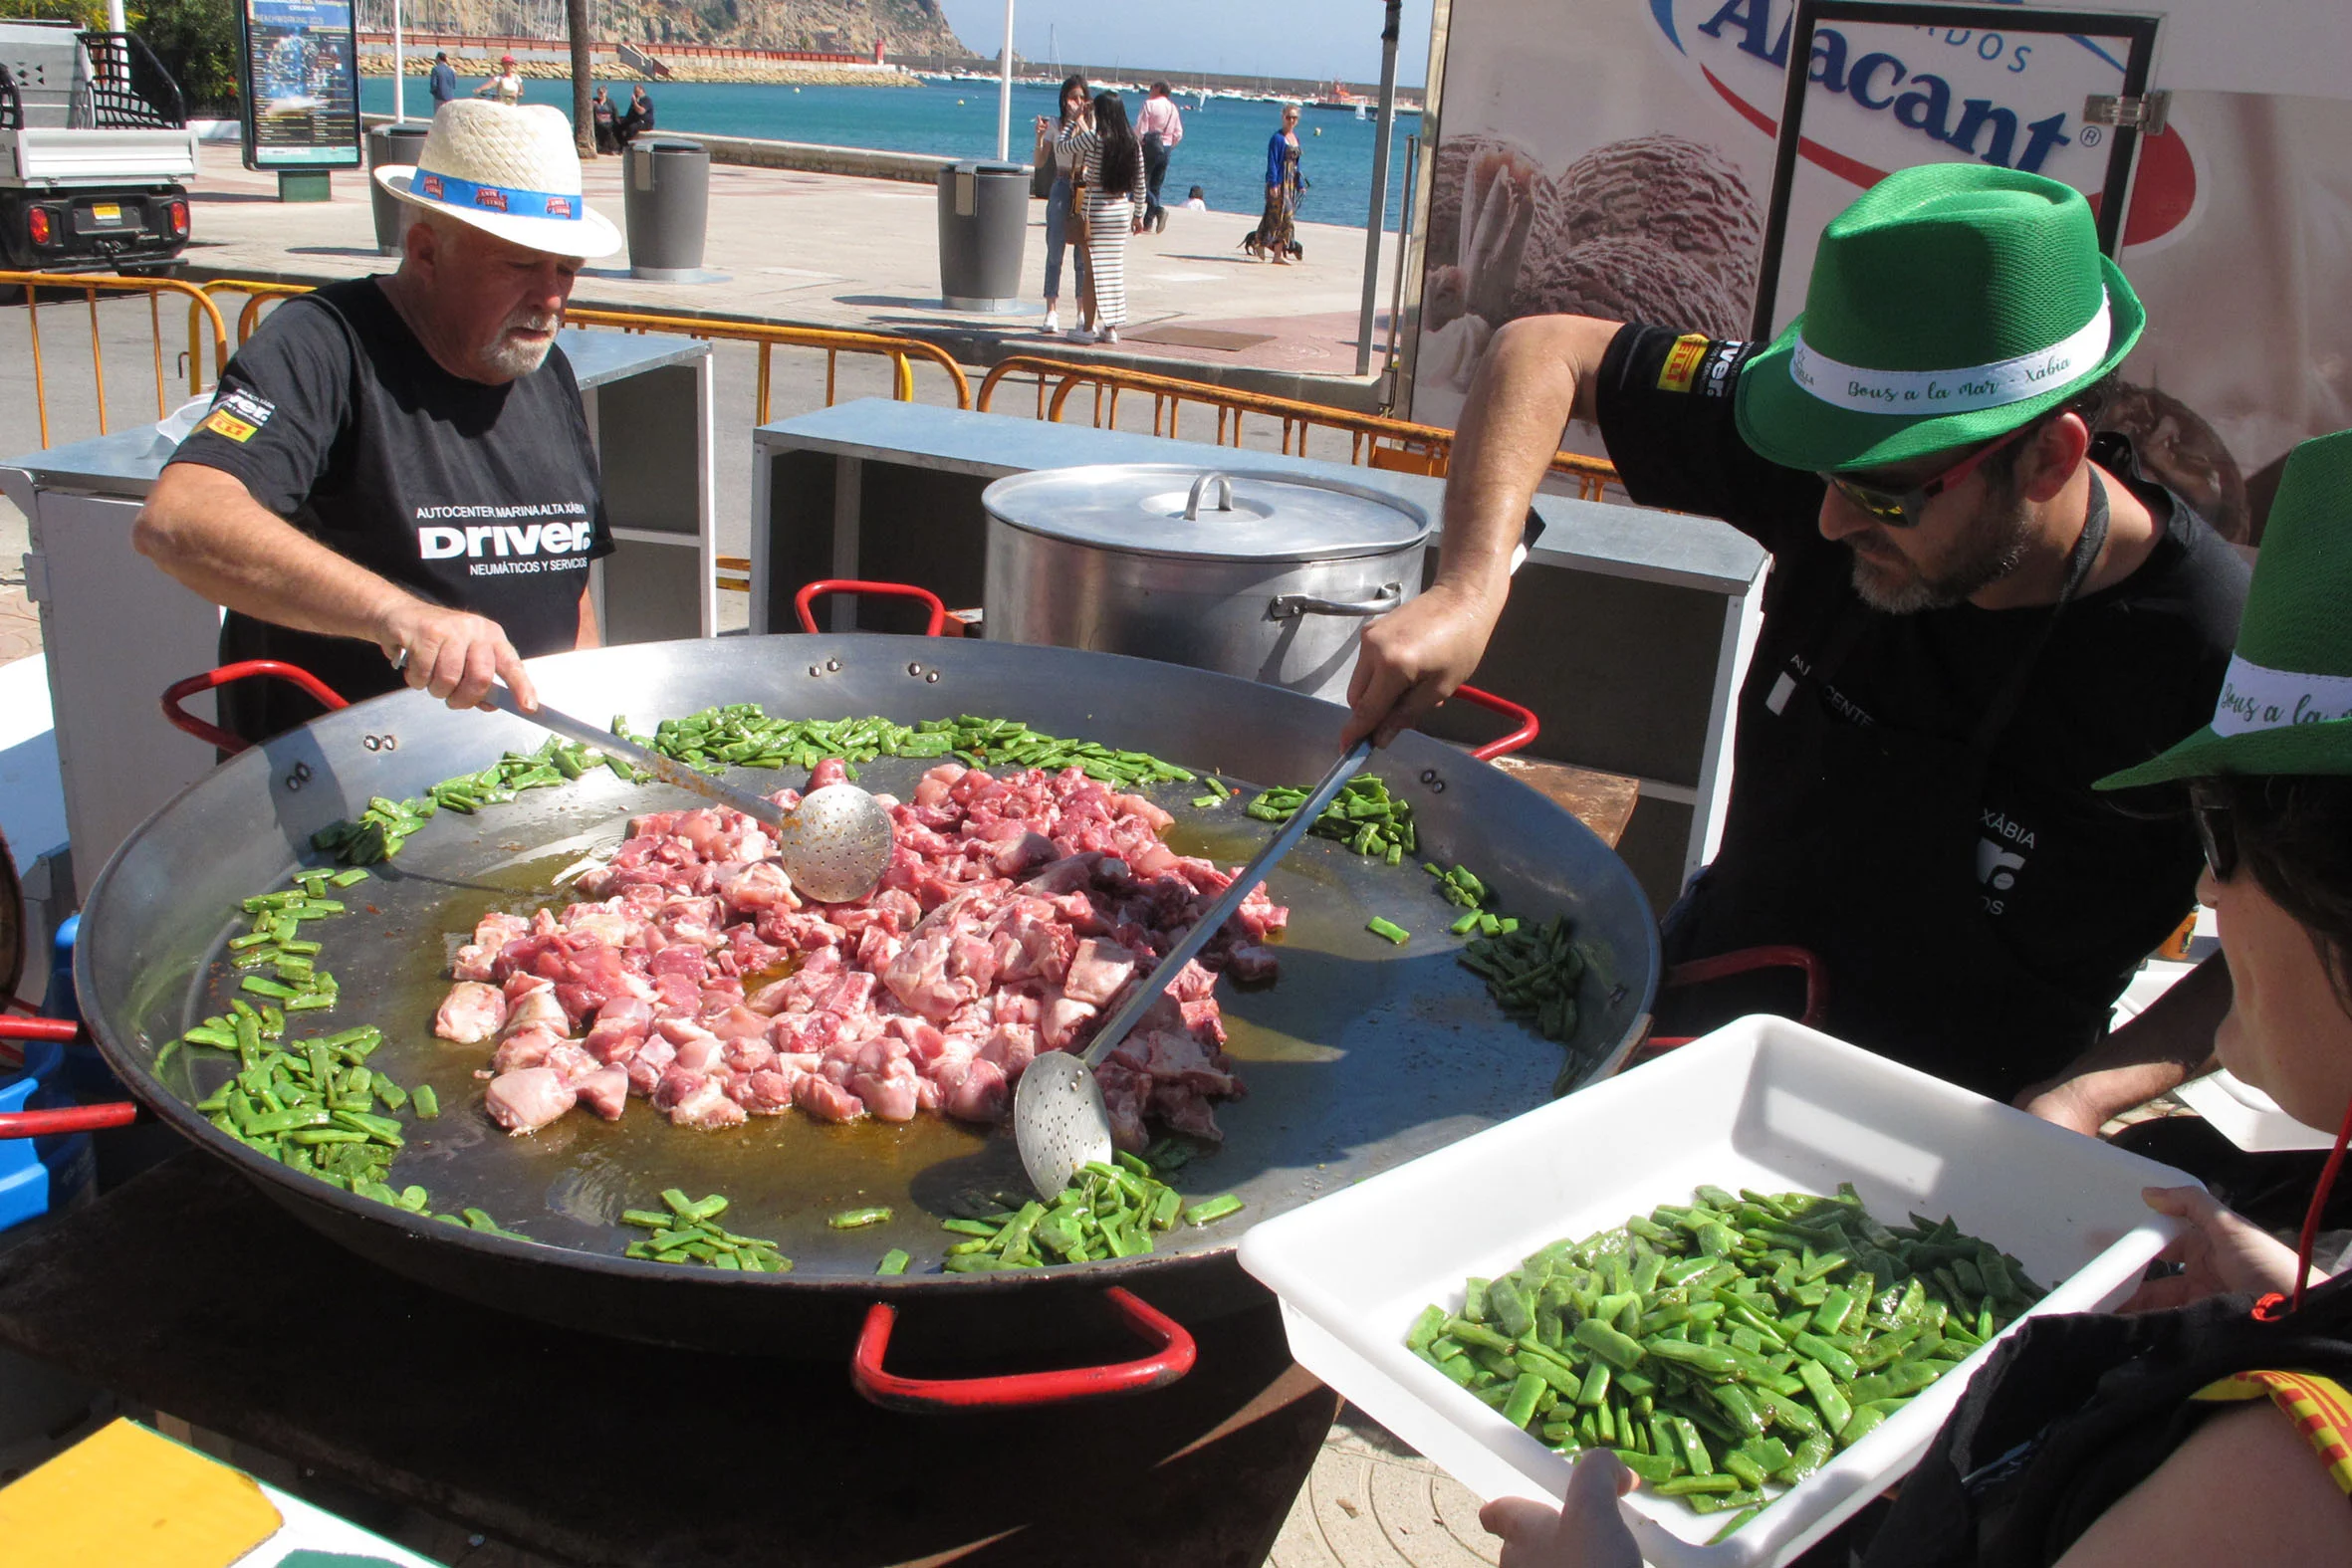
1114, 211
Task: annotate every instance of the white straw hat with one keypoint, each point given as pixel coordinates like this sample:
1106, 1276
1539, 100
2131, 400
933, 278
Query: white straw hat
510, 171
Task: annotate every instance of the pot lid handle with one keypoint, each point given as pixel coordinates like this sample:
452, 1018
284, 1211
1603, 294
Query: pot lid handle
1192, 502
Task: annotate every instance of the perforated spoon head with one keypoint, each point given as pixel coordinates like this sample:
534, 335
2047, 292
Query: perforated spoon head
1060, 1120
835, 844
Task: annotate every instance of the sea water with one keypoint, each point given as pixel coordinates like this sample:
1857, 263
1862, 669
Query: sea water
1223, 151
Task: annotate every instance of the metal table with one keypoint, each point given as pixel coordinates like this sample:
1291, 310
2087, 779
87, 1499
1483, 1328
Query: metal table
116, 630
1627, 630
186, 1290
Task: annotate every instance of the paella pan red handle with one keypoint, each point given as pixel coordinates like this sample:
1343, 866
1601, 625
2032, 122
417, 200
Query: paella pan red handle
1524, 735
73, 1118
811, 591
213, 734
1744, 960
1172, 1360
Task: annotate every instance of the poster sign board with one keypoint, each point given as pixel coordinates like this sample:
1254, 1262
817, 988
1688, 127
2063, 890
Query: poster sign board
1615, 158
301, 83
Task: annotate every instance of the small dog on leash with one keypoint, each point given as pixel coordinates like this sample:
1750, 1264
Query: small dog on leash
1257, 252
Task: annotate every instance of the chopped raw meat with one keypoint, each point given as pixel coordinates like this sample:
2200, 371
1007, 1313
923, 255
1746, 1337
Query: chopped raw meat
1014, 912
471, 1013
528, 1098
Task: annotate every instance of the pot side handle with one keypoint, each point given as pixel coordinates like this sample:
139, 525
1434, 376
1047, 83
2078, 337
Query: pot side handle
1171, 1360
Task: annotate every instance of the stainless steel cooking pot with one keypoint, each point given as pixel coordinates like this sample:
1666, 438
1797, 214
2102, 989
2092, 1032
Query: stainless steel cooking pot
1266, 575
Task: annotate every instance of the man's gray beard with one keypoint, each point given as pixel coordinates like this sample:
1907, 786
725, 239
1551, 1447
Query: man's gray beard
510, 359
1999, 537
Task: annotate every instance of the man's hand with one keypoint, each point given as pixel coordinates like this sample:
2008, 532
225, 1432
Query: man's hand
1586, 1532
2061, 1100
1413, 658
454, 654
2220, 1253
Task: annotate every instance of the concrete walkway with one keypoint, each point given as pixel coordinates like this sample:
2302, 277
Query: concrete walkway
827, 250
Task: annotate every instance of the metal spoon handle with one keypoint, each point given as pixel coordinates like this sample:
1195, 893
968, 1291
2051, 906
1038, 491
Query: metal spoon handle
667, 770
1116, 1026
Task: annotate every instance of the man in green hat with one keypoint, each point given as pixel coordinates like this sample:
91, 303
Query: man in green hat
1976, 608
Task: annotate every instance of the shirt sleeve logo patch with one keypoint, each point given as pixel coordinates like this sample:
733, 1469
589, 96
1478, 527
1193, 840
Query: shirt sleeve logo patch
255, 411
1682, 362
221, 423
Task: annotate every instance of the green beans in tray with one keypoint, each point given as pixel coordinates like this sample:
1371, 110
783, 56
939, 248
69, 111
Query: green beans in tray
1729, 1346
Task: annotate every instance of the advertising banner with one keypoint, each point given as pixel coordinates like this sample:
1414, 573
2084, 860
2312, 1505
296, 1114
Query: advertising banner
302, 84
1613, 159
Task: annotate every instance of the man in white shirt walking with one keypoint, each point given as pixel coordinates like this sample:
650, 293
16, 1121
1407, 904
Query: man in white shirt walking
1159, 128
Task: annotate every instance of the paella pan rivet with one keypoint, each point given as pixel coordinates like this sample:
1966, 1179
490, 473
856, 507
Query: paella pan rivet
1429, 775
931, 676
373, 743
833, 665
914, 669
391, 742
1616, 994
1437, 786
293, 782
812, 669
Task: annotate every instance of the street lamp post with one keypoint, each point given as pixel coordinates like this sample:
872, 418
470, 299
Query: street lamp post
1005, 91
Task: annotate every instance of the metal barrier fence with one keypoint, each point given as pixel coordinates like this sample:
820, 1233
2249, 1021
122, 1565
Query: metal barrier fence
202, 314
1373, 440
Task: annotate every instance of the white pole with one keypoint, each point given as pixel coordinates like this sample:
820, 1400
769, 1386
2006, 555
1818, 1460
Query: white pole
1005, 91
114, 21
400, 72
1380, 215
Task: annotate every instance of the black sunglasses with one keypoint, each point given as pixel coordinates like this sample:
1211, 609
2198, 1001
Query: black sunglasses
2217, 832
1904, 508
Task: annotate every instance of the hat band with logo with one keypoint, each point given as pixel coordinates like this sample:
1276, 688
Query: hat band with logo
1962, 389
2255, 696
450, 191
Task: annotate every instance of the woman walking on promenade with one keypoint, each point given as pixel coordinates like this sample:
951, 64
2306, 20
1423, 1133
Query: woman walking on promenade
1115, 185
1058, 139
1274, 240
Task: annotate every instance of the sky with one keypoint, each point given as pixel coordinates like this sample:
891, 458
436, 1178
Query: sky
1293, 38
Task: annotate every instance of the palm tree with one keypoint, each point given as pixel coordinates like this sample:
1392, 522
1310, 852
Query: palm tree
583, 125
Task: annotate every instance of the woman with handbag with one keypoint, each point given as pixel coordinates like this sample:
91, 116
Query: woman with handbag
1115, 190
1057, 139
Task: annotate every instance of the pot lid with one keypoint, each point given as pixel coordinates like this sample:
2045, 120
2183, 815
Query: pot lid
1236, 514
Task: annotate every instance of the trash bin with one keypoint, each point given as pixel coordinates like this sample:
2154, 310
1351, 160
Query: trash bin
666, 197
982, 225
391, 147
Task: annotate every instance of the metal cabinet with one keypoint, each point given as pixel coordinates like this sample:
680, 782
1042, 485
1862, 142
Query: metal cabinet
116, 631
1627, 630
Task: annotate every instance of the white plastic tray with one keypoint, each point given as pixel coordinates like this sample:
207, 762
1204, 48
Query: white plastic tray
1760, 1103
2247, 1116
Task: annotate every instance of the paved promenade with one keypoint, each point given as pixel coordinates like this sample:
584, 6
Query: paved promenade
827, 250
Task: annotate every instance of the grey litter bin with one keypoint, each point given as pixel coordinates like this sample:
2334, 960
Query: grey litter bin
982, 225
391, 145
666, 197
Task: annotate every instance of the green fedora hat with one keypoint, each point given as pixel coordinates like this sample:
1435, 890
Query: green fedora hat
1949, 305
2286, 702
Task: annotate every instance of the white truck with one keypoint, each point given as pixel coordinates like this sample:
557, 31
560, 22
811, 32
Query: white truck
95, 147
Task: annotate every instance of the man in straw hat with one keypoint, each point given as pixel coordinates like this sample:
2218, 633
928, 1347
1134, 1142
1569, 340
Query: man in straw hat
1976, 608
401, 463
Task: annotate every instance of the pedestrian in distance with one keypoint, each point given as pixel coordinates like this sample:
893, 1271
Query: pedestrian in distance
639, 118
506, 86
1197, 201
442, 84
606, 120
1058, 139
1114, 187
1159, 128
1276, 237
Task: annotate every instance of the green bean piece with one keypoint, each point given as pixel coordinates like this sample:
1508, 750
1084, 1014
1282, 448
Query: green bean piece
893, 1261
426, 1103
1389, 929
1525, 1391
1210, 1210
1735, 1525
856, 1219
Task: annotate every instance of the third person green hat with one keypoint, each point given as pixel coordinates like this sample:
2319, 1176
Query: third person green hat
1949, 305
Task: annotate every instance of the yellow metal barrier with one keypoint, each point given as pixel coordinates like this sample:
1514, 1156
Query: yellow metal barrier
1373, 441
902, 353
201, 312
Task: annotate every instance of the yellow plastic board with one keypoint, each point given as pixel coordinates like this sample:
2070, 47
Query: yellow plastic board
129, 1498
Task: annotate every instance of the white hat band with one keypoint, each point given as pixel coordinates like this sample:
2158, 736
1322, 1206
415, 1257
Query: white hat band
2255, 696
1913, 393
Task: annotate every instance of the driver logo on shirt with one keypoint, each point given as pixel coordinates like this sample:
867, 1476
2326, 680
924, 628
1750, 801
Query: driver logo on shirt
502, 548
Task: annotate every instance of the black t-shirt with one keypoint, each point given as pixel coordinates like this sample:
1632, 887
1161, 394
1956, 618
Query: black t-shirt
2127, 671
480, 498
